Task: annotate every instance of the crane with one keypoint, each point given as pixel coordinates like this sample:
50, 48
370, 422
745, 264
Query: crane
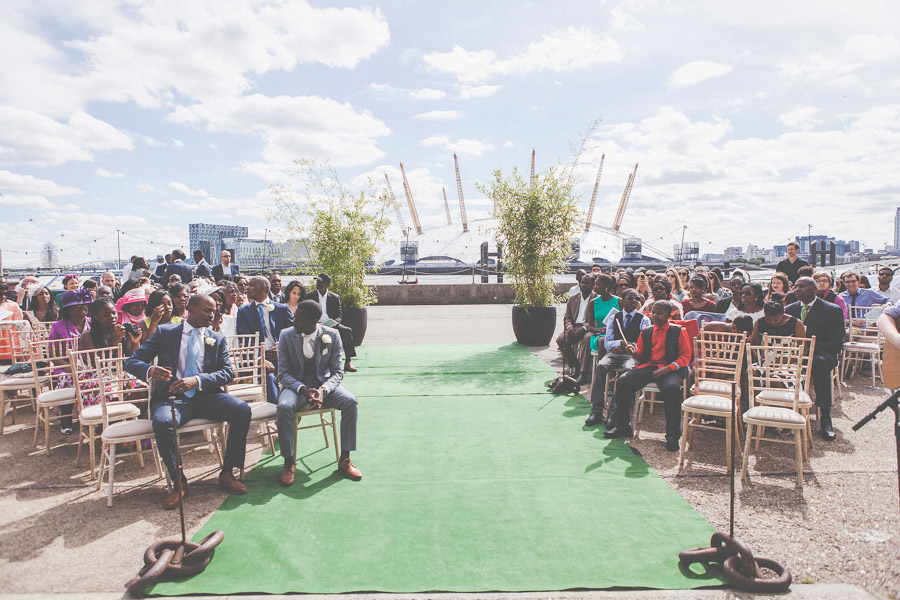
625, 195
395, 202
462, 203
412, 205
447, 207
531, 180
590, 215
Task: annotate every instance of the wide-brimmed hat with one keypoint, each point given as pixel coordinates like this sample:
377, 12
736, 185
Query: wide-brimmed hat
75, 297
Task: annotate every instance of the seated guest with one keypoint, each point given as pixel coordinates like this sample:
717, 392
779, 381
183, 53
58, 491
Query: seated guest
675, 281
242, 284
226, 270
109, 280
742, 324
825, 321
885, 277
70, 283
275, 294
73, 322
660, 290
778, 284
192, 364
106, 292
293, 295
573, 325
775, 322
662, 353
720, 290
174, 279
622, 284
643, 286
331, 311
41, 304
752, 300
268, 319
230, 291
696, 301
824, 282
310, 373
864, 282
159, 312
805, 271
858, 296
577, 287
91, 286
21, 291
179, 294
105, 331
598, 307
631, 322
179, 267
131, 307
733, 299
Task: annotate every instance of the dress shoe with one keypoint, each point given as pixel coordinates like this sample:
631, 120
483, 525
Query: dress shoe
348, 366
287, 476
594, 419
349, 470
171, 500
828, 432
610, 423
231, 485
672, 445
618, 432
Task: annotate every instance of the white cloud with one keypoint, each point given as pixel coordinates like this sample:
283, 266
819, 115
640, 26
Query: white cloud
562, 50
440, 115
509, 144
101, 172
146, 187
427, 94
180, 187
800, 118
152, 142
29, 192
839, 66
697, 71
872, 48
619, 20
177, 143
292, 128
138, 52
459, 146
478, 91
29, 138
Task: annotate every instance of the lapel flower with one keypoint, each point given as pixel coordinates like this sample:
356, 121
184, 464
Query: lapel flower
209, 341
326, 338
269, 306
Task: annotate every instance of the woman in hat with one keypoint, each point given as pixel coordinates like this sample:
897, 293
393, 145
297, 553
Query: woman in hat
131, 307
41, 303
73, 322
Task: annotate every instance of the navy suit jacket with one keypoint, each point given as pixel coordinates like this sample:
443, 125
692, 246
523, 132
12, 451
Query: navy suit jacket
825, 321
180, 268
279, 319
165, 346
203, 269
332, 303
219, 274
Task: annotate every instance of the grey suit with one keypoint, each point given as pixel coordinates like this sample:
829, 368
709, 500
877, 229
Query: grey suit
326, 371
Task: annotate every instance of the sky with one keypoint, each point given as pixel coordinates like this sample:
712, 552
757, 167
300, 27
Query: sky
751, 122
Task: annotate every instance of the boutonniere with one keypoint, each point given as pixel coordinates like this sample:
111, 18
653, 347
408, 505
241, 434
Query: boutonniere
209, 341
269, 306
326, 338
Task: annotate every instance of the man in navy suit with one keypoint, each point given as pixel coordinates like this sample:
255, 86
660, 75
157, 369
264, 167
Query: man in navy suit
825, 321
226, 269
179, 267
192, 365
267, 318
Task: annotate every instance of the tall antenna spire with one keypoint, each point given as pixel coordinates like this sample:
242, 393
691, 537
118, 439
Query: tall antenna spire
532, 168
395, 202
590, 215
462, 202
409, 199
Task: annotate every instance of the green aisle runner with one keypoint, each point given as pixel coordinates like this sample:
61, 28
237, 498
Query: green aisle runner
474, 479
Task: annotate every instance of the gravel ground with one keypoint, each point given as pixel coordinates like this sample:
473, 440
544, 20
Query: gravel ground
57, 535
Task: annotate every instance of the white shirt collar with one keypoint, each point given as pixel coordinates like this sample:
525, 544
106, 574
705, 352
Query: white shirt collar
813, 301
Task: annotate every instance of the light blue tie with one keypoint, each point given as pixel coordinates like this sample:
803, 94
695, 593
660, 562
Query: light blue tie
192, 362
627, 321
262, 319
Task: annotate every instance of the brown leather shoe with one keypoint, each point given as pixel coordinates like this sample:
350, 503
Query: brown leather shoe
171, 500
349, 470
231, 485
348, 366
287, 476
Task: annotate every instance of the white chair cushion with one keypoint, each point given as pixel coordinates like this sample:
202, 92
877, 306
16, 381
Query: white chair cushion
710, 386
21, 381
115, 410
710, 405
862, 347
244, 391
128, 429
262, 411
651, 387
782, 397
199, 424
60, 396
773, 415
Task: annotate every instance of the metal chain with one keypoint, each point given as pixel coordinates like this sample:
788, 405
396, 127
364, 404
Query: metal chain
738, 564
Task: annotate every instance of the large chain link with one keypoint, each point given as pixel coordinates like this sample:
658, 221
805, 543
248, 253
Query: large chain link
738, 564
170, 559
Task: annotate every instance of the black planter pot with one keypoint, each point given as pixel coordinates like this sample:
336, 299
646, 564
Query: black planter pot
534, 326
356, 319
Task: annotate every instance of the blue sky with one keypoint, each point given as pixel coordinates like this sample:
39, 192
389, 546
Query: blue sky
749, 120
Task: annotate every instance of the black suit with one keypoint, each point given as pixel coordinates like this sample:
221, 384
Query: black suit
333, 308
180, 268
825, 321
220, 274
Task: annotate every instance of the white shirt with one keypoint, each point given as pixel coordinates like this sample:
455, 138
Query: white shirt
892, 293
270, 340
575, 289
582, 308
182, 354
126, 272
323, 304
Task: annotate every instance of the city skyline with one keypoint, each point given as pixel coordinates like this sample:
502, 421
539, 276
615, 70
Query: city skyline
147, 117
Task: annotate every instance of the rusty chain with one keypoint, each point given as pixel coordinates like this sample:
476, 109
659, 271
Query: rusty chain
174, 559
738, 564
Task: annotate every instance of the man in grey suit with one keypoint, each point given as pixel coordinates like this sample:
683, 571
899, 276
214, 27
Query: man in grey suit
310, 370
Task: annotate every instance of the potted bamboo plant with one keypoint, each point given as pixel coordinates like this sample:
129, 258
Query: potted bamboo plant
535, 225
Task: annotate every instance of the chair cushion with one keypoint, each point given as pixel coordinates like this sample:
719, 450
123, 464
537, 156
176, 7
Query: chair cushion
128, 429
711, 386
862, 347
198, 424
785, 397
60, 396
21, 381
651, 387
115, 410
707, 404
262, 411
774, 415
245, 391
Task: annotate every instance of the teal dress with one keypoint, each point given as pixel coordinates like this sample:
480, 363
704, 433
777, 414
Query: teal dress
601, 309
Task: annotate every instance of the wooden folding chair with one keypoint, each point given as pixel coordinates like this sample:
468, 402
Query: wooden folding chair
16, 391
51, 372
865, 341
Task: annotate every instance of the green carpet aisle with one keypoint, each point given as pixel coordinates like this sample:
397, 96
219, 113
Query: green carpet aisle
474, 479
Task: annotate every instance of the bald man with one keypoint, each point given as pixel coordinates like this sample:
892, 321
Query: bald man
261, 315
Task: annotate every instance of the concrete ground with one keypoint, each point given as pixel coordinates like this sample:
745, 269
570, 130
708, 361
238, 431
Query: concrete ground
838, 535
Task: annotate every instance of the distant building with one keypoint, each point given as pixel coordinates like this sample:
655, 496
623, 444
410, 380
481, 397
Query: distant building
688, 252
256, 254
733, 252
780, 251
632, 249
714, 258
208, 238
